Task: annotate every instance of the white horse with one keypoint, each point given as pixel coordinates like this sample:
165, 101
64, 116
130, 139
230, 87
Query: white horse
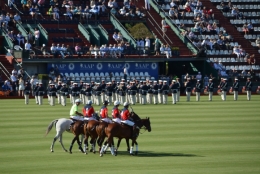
62, 125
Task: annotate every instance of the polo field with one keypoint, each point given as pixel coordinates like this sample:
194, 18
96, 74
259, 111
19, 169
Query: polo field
217, 137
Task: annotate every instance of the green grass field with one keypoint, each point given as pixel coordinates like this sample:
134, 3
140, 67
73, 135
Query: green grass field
197, 137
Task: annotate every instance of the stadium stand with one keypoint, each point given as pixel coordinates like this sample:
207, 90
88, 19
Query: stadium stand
226, 31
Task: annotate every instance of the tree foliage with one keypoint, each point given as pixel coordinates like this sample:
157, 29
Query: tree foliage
139, 30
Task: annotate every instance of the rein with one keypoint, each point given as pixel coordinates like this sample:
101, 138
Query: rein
143, 131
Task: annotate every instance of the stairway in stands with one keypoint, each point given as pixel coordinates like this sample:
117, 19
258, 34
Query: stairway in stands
224, 22
176, 42
9, 67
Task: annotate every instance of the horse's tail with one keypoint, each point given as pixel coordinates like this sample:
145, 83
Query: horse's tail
50, 127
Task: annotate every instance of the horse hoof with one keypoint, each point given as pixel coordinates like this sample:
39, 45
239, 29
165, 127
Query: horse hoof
52, 151
86, 153
94, 152
136, 153
128, 149
131, 154
70, 152
101, 155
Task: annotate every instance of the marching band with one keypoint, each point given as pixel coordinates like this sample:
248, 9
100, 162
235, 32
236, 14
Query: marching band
143, 92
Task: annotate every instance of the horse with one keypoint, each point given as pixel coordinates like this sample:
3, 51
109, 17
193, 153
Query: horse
123, 131
90, 130
62, 125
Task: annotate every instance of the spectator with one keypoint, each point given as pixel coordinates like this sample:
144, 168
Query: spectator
156, 46
36, 36
114, 11
69, 51
68, 13
20, 38
21, 87
164, 26
78, 49
53, 49
139, 13
251, 59
13, 78
56, 14
14, 71
168, 51
245, 29
257, 42
44, 51
87, 13
122, 11
27, 46
199, 76
17, 18
250, 28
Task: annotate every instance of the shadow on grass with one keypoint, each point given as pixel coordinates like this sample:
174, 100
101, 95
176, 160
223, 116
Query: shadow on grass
157, 154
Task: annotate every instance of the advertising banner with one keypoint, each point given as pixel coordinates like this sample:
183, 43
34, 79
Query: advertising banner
150, 67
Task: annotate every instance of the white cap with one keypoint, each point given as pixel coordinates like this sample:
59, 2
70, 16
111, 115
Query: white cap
74, 83
37, 82
210, 79
126, 104
173, 80
43, 45
89, 102
160, 80
117, 103
40, 83
236, 79
198, 80
77, 101
63, 84
155, 81
164, 81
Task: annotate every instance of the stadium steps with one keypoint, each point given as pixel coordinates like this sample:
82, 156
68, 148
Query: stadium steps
231, 29
176, 42
62, 38
7, 64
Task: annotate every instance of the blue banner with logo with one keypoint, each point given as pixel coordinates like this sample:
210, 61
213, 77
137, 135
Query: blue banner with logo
151, 68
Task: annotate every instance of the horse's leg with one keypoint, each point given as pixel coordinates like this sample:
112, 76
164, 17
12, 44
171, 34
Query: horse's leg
127, 143
80, 148
71, 145
62, 144
132, 147
80, 142
136, 148
118, 144
104, 147
54, 139
86, 144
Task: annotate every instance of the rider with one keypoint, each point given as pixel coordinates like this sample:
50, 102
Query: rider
74, 114
88, 111
116, 113
104, 112
125, 114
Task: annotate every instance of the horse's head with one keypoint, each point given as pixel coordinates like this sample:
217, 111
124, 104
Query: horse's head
134, 116
147, 124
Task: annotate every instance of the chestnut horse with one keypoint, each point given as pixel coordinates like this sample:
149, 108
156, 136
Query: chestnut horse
123, 131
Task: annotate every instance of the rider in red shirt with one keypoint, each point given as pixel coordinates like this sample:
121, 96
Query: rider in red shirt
125, 114
104, 113
116, 113
88, 111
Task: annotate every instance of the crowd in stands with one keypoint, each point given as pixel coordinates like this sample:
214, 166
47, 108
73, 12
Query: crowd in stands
16, 84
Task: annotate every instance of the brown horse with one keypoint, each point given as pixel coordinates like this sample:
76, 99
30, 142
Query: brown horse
90, 131
123, 131
77, 129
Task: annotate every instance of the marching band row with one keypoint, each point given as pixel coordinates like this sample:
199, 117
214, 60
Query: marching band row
142, 92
